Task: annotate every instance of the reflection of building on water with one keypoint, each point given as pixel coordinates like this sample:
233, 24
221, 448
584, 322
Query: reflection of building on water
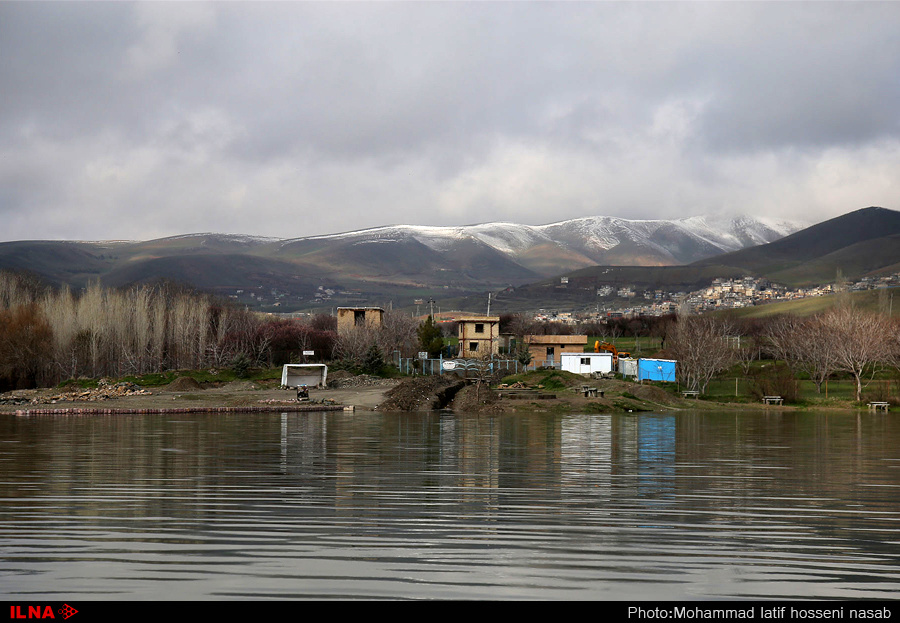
302, 439
484, 463
470, 460
644, 447
585, 450
476, 460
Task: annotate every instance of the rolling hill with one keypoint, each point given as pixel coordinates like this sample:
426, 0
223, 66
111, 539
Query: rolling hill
379, 265
861, 243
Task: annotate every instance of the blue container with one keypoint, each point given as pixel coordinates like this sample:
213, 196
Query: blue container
656, 370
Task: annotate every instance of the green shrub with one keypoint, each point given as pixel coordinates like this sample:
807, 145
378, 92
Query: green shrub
241, 366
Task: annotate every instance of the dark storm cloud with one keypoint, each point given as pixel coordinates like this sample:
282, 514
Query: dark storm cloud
160, 118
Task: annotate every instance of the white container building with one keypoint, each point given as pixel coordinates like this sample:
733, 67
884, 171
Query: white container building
587, 363
628, 367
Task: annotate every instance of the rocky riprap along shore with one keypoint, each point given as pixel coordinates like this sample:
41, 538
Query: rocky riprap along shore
104, 391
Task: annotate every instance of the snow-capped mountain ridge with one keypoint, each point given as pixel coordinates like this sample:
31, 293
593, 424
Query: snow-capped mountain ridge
596, 239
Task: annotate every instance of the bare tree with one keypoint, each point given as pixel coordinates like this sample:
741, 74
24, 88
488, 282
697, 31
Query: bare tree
20, 288
59, 310
806, 345
353, 344
521, 325
860, 342
818, 355
25, 346
398, 333
702, 347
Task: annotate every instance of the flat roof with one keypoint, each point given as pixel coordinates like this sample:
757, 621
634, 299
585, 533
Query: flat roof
556, 339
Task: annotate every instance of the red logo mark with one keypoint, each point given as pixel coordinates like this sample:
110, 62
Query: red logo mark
33, 612
40, 612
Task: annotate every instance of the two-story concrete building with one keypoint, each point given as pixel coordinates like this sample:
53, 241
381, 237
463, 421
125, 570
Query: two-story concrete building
479, 336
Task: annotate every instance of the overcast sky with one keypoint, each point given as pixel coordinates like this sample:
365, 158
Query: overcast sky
136, 121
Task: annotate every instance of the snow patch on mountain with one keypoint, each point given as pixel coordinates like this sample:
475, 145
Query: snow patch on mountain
592, 236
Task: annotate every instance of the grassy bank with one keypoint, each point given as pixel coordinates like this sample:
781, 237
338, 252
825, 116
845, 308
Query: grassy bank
731, 390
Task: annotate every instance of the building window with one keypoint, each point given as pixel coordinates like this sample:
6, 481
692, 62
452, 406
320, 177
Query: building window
473, 346
585, 361
359, 317
479, 327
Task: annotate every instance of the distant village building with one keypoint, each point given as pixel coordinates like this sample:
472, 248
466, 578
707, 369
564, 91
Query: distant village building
479, 336
349, 318
547, 350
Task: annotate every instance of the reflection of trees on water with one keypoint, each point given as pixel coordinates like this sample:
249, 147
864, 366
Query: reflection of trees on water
769, 479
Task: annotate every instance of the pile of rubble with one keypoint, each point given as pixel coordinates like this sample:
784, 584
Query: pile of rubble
516, 385
423, 393
275, 401
104, 391
362, 380
17, 397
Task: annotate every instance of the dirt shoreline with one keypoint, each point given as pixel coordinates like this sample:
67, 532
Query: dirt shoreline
237, 396
368, 395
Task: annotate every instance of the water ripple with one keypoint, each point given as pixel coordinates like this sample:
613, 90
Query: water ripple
394, 506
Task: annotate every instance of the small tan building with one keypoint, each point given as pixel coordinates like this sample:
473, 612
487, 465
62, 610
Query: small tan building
349, 318
547, 350
479, 336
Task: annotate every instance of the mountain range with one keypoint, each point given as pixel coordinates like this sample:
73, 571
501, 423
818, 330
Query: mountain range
382, 263
405, 262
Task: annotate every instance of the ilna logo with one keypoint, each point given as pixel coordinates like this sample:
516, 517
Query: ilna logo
40, 612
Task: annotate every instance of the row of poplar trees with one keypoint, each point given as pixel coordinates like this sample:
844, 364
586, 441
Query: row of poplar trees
48, 335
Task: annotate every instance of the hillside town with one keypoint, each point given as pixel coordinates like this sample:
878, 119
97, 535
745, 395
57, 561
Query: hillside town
722, 293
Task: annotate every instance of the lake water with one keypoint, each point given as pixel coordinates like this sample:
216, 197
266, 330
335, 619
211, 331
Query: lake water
423, 506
